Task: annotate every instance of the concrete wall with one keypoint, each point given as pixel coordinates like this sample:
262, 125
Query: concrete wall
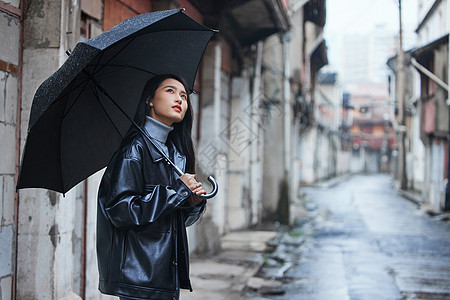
91, 284
9, 67
330, 97
437, 183
212, 149
271, 122
296, 65
322, 158
416, 158
321, 153
45, 253
238, 203
436, 25
307, 147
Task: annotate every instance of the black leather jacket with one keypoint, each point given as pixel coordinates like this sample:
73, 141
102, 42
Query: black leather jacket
141, 223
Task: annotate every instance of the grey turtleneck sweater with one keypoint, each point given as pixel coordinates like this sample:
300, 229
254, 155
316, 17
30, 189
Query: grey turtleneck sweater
159, 132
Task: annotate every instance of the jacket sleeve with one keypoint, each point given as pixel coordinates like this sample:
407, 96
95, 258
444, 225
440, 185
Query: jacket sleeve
193, 213
126, 205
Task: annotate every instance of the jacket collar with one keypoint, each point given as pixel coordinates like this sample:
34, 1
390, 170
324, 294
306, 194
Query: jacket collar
178, 158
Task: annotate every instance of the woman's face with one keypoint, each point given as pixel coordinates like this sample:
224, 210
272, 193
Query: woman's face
169, 105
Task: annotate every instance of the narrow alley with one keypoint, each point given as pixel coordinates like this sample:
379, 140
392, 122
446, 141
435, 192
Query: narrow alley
317, 120
363, 240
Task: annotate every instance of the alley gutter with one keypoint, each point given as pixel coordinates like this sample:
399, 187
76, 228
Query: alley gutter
411, 196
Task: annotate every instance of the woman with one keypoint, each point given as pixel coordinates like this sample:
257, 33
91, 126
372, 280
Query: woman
144, 206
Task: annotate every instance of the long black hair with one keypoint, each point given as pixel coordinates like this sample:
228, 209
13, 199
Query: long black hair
181, 135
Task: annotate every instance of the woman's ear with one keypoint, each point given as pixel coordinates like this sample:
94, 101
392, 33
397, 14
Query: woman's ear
148, 106
149, 103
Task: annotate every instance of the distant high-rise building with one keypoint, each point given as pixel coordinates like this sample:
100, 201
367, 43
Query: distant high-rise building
363, 56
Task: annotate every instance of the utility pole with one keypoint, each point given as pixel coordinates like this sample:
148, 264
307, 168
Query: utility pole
447, 187
401, 102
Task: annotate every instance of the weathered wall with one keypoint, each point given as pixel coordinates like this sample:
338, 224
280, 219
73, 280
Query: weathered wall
271, 121
92, 291
433, 182
9, 67
45, 255
212, 157
307, 153
238, 202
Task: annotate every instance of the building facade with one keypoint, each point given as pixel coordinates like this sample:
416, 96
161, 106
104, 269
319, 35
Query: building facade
426, 105
432, 55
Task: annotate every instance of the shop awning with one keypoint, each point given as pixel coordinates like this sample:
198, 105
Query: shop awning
319, 57
247, 21
422, 54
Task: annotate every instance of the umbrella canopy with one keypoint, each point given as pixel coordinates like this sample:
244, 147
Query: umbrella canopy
81, 113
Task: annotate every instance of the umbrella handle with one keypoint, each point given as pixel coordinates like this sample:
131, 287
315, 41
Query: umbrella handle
214, 190
211, 180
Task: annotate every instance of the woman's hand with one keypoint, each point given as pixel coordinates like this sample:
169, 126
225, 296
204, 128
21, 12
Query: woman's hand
195, 186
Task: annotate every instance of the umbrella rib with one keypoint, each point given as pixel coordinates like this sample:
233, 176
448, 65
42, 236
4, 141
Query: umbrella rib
96, 65
76, 98
65, 113
95, 88
72, 89
114, 56
125, 67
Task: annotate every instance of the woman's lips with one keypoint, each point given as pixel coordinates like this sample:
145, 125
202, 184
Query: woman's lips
177, 108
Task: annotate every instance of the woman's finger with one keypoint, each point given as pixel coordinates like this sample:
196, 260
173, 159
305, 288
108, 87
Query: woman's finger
199, 191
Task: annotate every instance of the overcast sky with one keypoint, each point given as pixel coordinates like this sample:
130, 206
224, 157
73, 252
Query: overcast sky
346, 17
349, 16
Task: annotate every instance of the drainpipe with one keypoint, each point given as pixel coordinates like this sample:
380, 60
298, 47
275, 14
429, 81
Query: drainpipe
287, 103
84, 241
447, 190
18, 139
217, 90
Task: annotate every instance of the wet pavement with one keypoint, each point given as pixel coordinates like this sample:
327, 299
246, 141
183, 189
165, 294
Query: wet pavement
358, 239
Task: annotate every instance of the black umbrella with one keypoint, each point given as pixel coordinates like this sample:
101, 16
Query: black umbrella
81, 113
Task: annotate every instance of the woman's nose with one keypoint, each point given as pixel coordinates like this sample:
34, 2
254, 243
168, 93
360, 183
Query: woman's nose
178, 100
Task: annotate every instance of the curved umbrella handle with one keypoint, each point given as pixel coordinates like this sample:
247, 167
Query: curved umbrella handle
214, 190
